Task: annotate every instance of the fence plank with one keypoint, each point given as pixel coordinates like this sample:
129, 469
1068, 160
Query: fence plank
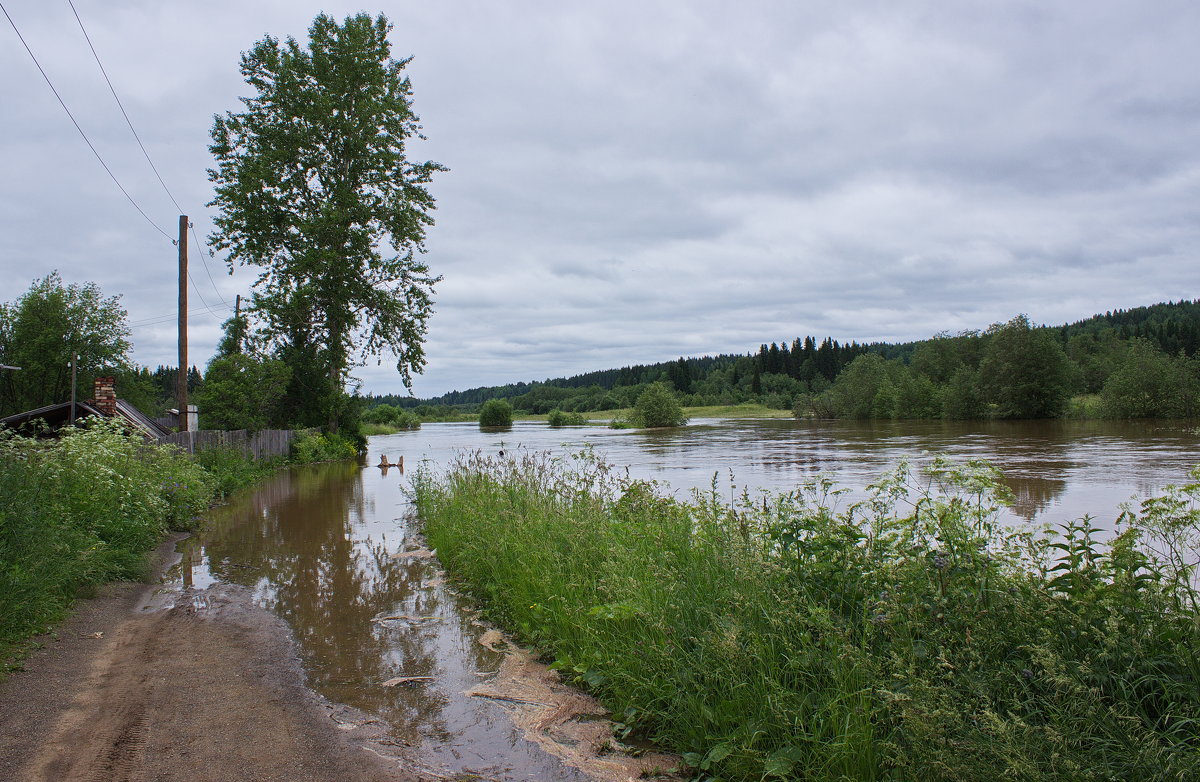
258, 445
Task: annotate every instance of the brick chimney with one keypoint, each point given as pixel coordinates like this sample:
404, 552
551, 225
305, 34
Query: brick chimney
105, 396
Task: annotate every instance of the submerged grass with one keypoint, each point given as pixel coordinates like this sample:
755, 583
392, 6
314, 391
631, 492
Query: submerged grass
783, 636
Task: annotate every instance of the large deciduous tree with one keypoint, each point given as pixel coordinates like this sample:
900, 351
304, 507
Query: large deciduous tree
314, 188
1025, 373
41, 330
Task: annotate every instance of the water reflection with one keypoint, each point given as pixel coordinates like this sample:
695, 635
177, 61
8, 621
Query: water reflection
1057, 470
324, 546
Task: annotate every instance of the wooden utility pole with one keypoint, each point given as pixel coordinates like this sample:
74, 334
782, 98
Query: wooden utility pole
237, 323
182, 390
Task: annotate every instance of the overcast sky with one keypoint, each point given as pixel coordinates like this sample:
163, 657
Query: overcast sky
635, 181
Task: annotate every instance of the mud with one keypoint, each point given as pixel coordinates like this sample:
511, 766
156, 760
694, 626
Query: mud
307, 633
564, 721
138, 688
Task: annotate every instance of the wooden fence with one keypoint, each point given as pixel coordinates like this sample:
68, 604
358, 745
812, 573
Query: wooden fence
263, 443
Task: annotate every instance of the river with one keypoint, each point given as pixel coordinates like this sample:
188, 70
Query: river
324, 546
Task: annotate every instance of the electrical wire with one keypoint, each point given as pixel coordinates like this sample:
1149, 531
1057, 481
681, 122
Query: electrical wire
87, 140
167, 318
145, 152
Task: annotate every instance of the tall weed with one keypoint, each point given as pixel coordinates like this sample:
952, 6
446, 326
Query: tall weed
909, 635
80, 510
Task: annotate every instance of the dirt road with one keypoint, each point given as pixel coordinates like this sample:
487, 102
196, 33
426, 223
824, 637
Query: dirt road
203, 687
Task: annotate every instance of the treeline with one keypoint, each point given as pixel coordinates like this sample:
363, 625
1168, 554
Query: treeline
1140, 362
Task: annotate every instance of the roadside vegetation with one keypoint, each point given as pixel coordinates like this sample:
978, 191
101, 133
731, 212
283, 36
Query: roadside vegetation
907, 636
84, 508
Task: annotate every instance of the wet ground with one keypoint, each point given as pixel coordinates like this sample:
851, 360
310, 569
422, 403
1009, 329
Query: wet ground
330, 550
319, 577
139, 687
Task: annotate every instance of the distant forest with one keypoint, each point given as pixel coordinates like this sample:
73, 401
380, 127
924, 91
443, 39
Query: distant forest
1140, 362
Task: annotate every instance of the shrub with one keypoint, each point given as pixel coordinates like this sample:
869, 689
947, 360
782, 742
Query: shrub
230, 469
657, 406
495, 412
384, 419
407, 419
311, 445
559, 418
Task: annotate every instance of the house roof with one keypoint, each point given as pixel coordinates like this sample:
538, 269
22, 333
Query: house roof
59, 415
141, 420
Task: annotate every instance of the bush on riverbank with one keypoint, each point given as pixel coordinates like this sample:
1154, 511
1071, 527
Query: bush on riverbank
656, 407
495, 412
907, 636
558, 418
81, 510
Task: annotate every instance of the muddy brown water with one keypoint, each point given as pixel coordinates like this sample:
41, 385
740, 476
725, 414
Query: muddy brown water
331, 549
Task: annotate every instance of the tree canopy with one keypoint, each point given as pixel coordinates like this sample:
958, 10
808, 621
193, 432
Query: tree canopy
1024, 371
657, 406
315, 189
41, 330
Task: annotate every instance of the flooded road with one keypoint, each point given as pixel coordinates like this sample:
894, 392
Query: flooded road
330, 549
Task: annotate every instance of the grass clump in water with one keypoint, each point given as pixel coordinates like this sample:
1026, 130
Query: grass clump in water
906, 636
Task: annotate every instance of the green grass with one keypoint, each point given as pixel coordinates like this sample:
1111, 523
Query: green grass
778, 636
81, 510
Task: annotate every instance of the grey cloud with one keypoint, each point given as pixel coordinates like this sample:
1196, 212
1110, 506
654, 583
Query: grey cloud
631, 182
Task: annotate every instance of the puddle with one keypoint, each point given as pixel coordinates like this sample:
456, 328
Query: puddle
329, 549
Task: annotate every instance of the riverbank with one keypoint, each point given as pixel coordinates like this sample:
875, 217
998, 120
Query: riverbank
785, 636
605, 417
141, 685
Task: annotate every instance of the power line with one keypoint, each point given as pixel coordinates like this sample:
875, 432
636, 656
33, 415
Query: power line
145, 152
121, 106
203, 259
80, 129
157, 319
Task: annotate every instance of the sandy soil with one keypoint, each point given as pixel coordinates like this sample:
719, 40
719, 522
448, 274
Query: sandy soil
202, 687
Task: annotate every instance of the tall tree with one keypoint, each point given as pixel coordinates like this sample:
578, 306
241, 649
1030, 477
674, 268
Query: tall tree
315, 189
40, 331
1024, 371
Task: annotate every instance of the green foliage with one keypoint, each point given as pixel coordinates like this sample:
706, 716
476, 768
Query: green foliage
657, 406
495, 412
905, 636
1024, 371
241, 392
81, 510
559, 418
1013, 370
312, 180
229, 469
393, 418
961, 399
314, 446
1150, 384
41, 330
854, 393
